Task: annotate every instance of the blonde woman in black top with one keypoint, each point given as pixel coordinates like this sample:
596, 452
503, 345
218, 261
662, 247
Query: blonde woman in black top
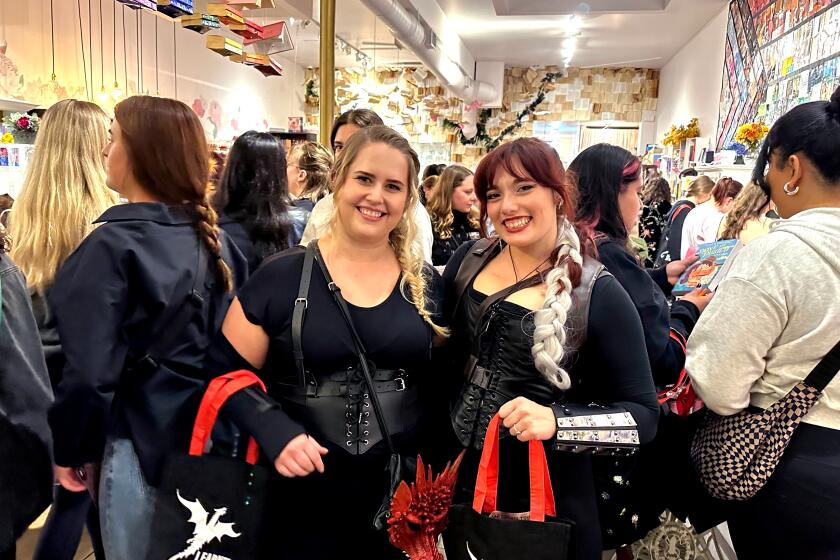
321, 433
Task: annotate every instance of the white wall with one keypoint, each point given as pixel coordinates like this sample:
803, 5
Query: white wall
234, 97
689, 84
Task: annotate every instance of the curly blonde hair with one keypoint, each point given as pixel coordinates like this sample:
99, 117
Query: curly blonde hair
413, 280
750, 204
440, 205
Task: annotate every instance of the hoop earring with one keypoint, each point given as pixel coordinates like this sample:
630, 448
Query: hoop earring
789, 191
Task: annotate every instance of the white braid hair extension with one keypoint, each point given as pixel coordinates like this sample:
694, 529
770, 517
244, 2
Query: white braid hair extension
549, 322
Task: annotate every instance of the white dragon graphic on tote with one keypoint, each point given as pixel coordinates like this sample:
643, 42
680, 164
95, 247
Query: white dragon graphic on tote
207, 527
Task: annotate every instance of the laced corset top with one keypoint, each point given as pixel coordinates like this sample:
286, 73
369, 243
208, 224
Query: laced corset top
505, 368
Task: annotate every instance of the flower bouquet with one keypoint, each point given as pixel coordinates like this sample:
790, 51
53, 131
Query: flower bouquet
676, 135
751, 135
740, 151
23, 127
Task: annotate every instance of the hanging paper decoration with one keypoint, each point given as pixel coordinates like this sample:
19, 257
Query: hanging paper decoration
200, 23
226, 14
248, 59
223, 45
175, 8
247, 29
261, 62
137, 4
269, 68
251, 4
274, 39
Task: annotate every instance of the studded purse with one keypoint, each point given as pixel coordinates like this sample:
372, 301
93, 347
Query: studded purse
736, 455
595, 428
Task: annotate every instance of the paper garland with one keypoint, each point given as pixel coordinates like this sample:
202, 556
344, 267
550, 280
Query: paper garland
481, 126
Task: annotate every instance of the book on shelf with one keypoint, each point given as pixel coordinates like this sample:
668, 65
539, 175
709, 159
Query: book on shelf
712, 266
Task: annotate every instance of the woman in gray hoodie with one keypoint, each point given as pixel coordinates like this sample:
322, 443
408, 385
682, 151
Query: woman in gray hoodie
771, 321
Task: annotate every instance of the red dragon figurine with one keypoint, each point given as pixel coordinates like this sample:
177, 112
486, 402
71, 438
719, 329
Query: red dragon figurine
419, 512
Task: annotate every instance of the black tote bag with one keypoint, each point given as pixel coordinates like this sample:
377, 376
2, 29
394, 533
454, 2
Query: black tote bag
207, 506
472, 535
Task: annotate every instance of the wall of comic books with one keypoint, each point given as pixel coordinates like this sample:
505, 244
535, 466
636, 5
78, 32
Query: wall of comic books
779, 53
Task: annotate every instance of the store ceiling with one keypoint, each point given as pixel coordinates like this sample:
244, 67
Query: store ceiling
641, 33
613, 34
354, 23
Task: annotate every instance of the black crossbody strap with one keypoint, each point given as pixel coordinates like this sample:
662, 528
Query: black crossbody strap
299, 313
825, 371
162, 347
360, 348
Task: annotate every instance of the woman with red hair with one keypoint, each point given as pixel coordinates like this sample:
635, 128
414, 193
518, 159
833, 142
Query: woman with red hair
539, 316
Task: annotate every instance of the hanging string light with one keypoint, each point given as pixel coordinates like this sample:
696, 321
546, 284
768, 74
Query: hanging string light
116, 93
137, 47
90, 46
52, 39
82, 44
125, 52
157, 69
140, 54
175, 57
103, 95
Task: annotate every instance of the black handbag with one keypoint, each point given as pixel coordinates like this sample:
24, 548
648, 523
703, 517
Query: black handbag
472, 534
210, 504
398, 466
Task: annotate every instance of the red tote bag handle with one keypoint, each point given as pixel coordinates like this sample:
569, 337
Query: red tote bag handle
487, 481
218, 392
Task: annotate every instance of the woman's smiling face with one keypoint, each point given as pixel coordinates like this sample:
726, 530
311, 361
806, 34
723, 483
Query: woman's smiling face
523, 212
372, 199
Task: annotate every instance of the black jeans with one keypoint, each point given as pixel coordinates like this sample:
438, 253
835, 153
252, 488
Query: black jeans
797, 514
59, 539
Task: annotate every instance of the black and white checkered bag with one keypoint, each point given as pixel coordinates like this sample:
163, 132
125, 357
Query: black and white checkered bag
736, 455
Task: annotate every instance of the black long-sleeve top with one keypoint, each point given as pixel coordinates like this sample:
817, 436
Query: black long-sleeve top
113, 298
461, 232
648, 290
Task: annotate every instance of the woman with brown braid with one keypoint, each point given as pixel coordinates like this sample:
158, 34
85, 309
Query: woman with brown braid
136, 304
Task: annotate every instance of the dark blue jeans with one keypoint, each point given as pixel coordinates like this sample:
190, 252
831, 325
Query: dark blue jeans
59, 539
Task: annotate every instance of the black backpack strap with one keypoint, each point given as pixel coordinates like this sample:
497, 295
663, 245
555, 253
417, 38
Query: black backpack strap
299, 313
480, 254
162, 347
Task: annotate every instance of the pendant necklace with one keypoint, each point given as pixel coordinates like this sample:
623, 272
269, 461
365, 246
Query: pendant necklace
513, 265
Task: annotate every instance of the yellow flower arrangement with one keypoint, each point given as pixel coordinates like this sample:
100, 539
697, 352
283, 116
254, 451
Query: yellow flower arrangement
677, 134
751, 134
7, 138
